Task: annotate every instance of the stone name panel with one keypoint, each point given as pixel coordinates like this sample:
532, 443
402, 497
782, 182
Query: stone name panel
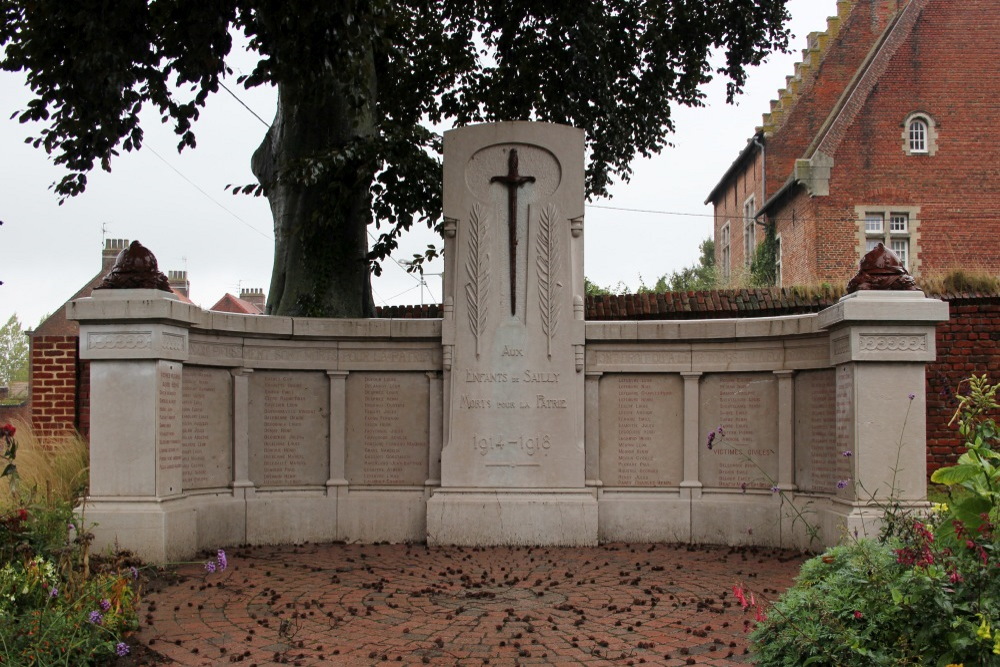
641, 430
168, 428
387, 428
208, 427
745, 454
289, 428
819, 462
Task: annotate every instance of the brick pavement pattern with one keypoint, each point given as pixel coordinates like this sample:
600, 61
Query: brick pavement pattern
352, 604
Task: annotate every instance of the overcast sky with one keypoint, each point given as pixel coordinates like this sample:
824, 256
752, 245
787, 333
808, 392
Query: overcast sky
177, 206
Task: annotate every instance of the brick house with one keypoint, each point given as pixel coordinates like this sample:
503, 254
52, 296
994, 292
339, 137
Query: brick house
59, 381
885, 132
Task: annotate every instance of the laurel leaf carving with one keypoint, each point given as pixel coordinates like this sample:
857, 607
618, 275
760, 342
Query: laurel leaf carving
547, 266
477, 268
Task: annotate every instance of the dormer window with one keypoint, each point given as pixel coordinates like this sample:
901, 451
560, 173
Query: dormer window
919, 134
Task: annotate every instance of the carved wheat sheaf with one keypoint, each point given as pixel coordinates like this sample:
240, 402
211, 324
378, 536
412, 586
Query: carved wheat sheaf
547, 265
477, 268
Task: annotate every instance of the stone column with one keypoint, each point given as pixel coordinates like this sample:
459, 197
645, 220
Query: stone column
338, 430
435, 427
242, 486
592, 428
691, 484
786, 430
880, 343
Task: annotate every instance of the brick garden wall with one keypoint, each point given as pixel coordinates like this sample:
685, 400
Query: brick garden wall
968, 343
55, 379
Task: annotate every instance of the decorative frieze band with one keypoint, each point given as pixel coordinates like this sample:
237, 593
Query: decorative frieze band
892, 343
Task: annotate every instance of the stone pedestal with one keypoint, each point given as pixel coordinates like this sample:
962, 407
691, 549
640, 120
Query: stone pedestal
513, 460
880, 343
136, 466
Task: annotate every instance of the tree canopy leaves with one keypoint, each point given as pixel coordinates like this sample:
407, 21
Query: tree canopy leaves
611, 67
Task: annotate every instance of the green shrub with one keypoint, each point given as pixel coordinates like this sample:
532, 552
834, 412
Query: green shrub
53, 610
927, 592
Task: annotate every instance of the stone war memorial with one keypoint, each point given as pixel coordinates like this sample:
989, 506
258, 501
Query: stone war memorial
510, 420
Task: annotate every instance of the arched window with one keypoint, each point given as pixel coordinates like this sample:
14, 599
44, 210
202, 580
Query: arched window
919, 134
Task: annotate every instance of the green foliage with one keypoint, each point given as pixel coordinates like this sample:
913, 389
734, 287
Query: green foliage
764, 263
53, 610
46, 621
925, 593
592, 289
697, 277
13, 352
364, 77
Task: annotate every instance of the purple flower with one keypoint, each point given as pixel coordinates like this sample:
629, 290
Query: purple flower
135, 572
912, 396
121, 648
54, 593
223, 563
711, 438
105, 605
775, 489
847, 453
842, 484
720, 431
743, 487
210, 566
95, 617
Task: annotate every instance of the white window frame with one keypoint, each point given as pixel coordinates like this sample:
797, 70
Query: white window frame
749, 230
724, 253
899, 225
919, 134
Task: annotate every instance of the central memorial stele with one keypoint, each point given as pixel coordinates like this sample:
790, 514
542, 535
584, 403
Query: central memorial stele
512, 461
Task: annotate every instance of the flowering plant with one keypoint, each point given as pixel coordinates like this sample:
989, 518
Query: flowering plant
926, 592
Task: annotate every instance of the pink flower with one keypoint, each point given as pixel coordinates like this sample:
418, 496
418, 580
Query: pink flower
740, 595
858, 614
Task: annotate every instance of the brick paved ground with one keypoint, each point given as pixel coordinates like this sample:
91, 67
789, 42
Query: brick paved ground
336, 604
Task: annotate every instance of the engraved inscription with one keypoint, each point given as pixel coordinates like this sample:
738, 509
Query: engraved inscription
641, 429
845, 417
626, 357
387, 428
745, 405
819, 462
289, 430
169, 419
226, 351
207, 433
290, 354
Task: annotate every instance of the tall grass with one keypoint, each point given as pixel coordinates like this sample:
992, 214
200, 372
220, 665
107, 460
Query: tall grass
50, 470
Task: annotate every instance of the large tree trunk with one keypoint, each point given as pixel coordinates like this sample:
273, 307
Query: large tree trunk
320, 226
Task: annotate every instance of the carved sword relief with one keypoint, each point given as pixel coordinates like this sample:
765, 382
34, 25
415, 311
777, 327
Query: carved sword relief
547, 266
477, 268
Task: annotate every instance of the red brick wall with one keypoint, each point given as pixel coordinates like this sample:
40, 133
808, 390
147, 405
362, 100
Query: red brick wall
729, 208
968, 343
54, 382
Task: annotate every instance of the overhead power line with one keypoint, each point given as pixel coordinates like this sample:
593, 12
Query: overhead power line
210, 197
244, 104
